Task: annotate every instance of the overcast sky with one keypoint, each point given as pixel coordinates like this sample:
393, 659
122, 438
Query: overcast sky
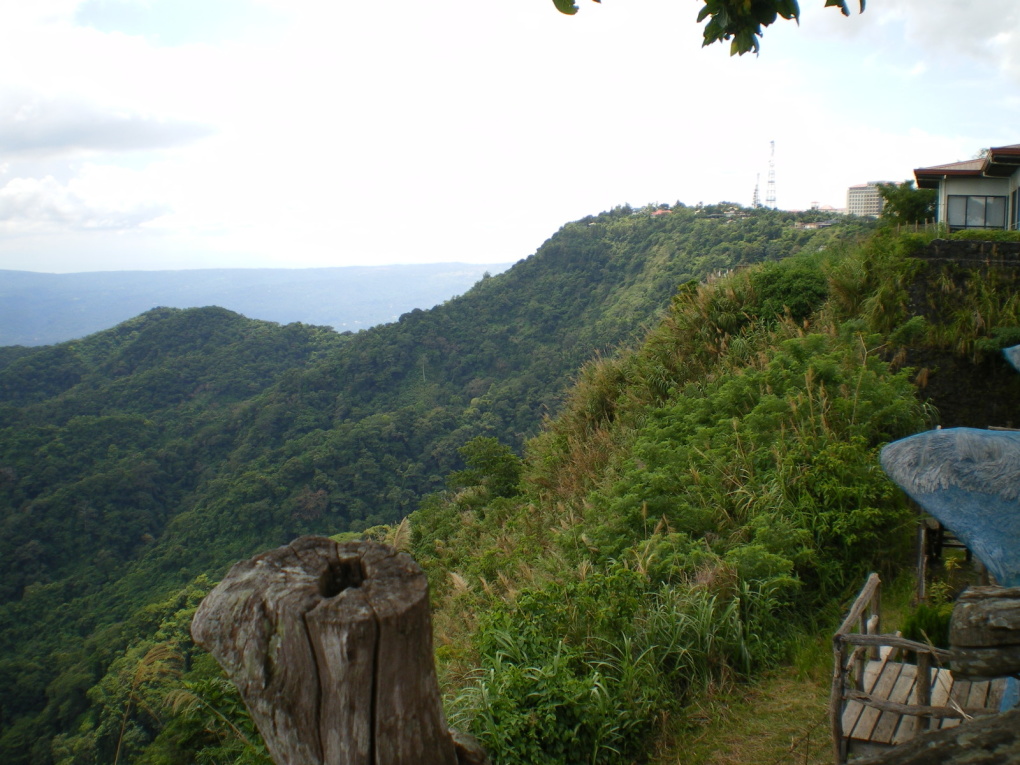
165, 134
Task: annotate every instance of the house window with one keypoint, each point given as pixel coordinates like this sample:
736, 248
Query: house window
977, 212
1015, 201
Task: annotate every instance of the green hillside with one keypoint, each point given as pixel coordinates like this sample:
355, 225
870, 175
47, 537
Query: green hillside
138, 460
707, 501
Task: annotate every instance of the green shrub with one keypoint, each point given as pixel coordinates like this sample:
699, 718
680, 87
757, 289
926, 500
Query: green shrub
796, 286
929, 623
987, 235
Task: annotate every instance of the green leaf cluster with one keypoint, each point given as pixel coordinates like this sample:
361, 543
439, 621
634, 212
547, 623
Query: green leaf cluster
903, 204
740, 21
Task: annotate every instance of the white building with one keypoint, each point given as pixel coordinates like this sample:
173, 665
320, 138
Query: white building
979, 193
864, 199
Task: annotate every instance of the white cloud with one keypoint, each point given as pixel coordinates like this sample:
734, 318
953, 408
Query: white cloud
406, 131
99, 198
949, 34
31, 124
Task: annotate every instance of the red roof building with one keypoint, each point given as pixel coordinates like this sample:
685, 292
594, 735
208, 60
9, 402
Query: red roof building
978, 193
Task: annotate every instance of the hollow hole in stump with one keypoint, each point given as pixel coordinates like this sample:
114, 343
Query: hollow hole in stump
339, 576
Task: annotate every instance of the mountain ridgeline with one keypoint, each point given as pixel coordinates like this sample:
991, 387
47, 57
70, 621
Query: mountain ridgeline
138, 461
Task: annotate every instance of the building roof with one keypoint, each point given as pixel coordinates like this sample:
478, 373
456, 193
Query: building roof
1000, 162
1003, 161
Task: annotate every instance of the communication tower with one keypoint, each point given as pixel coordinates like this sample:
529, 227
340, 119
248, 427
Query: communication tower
756, 200
770, 194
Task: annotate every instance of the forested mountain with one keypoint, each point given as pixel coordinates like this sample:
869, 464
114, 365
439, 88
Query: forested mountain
140, 459
42, 309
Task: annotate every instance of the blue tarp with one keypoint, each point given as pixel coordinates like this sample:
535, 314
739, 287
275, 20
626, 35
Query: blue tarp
969, 480
1013, 356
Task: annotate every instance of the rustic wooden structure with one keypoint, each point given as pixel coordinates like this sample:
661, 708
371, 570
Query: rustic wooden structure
990, 740
985, 637
330, 646
878, 701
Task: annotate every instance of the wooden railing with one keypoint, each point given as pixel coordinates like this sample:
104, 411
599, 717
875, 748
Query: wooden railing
858, 640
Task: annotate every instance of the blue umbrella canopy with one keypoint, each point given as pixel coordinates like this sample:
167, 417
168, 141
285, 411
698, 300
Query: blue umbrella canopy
969, 480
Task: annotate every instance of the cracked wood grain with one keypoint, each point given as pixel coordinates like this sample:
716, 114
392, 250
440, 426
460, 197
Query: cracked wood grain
330, 645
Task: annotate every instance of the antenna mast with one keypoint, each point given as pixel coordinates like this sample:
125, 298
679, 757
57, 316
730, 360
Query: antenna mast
756, 200
770, 194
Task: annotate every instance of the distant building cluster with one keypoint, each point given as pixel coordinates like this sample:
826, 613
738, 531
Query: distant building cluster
864, 200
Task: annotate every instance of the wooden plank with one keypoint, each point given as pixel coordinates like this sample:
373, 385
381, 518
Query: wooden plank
851, 713
907, 728
889, 721
916, 710
902, 691
959, 696
962, 692
881, 687
941, 692
854, 709
996, 690
978, 696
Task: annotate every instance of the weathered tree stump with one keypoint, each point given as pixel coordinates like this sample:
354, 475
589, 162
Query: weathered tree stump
330, 646
985, 633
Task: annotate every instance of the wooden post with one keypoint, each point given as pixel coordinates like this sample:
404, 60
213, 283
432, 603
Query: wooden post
843, 663
922, 554
923, 687
836, 699
330, 646
873, 628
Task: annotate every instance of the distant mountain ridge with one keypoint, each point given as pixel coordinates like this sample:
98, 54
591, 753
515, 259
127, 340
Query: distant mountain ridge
43, 309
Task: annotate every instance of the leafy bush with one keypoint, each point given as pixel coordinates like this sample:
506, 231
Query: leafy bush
795, 286
987, 235
491, 465
1001, 337
929, 623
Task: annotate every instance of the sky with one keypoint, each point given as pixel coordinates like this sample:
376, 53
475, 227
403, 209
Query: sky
172, 134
